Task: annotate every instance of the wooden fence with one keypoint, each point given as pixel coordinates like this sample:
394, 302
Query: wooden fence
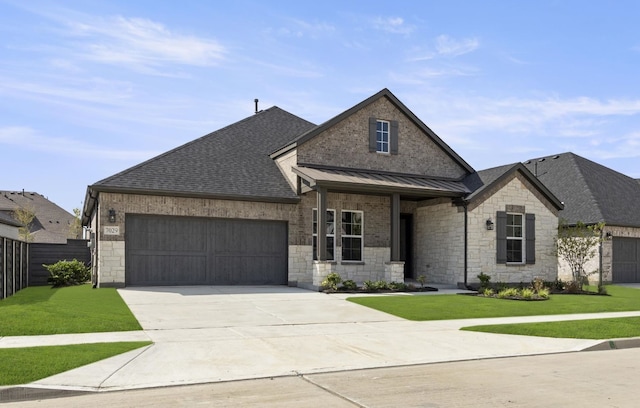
21, 264
14, 266
47, 254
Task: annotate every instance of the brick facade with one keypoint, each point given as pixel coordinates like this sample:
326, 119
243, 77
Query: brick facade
346, 145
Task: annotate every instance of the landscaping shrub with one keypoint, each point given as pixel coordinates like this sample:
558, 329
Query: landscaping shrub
68, 273
526, 293
508, 293
349, 285
544, 293
484, 280
397, 286
332, 281
486, 292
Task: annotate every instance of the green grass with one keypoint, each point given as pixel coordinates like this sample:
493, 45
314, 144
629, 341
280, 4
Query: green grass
575, 329
25, 365
444, 307
39, 310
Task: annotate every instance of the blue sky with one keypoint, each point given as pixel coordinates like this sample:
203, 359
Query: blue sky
89, 88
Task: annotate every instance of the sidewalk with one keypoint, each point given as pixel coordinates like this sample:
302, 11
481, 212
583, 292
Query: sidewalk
245, 335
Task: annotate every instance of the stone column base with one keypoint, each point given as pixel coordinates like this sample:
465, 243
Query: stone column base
321, 269
394, 271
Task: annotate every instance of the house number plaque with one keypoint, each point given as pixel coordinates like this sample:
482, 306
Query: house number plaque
111, 230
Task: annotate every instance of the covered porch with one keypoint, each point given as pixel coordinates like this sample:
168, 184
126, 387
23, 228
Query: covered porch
403, 192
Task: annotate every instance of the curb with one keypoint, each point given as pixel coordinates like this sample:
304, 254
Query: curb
615, 344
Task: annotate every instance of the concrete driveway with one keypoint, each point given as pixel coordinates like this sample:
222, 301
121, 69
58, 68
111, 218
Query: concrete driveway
208, 334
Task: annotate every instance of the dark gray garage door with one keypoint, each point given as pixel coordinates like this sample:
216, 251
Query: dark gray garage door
162, 250
626, 260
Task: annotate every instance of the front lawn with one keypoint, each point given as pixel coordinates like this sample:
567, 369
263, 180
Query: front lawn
25, 365
39, 310
445, 307
575, 329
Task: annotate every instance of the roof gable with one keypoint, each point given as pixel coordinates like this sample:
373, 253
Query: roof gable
232, 162
484, 183
591, 192
386, 95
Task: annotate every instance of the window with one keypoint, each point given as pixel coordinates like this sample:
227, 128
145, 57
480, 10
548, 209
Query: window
351, 235
382, 136
515, 238
330, 228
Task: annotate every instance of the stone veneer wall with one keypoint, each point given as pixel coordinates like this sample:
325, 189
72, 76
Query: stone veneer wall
482, 243
346, 144
439, 236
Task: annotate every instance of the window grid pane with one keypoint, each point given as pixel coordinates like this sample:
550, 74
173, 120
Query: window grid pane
515, 241
382, 136
351, 222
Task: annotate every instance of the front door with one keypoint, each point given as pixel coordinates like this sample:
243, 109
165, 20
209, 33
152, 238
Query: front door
406, 244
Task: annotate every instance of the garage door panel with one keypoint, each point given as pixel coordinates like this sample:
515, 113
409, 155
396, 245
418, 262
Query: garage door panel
188, 250
626, 260
167, 269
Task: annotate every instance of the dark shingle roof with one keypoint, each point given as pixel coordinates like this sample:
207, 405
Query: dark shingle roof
484, 179
232, 162
590, 191
51, 224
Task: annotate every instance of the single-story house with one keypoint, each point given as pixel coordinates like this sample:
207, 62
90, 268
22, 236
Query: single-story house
51, 223
593, 193
371, 194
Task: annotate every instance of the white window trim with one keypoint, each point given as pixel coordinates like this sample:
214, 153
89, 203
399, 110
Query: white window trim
522, 239
388, 142
314, 234
361, 236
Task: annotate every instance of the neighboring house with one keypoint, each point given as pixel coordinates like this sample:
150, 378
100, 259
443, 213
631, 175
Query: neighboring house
593, 193
9, 228
51, 225
372, 194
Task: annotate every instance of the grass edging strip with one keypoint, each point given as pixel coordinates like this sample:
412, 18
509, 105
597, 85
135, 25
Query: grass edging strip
42, 310
25, 365
592, 329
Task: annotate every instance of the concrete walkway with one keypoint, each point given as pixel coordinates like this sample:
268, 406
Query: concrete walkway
213, 334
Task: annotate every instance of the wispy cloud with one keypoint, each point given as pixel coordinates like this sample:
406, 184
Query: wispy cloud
393, 25
519, 125
29, 138
142, 44
446, 45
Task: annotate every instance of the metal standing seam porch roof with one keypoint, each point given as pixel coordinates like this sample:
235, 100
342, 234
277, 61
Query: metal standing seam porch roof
379, 182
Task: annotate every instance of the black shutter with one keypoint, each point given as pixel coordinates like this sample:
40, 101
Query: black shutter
372, 134
394, 137
501, 237
530, 236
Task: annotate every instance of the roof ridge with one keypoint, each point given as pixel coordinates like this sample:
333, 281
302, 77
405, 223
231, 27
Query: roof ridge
574, 160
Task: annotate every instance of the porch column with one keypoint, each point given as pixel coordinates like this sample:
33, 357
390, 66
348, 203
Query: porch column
321, 193
395, 227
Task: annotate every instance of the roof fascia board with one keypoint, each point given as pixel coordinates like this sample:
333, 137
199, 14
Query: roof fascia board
282, 200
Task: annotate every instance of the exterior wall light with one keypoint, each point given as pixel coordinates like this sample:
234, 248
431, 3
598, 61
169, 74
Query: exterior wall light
489, 224
608, 236
112, 215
